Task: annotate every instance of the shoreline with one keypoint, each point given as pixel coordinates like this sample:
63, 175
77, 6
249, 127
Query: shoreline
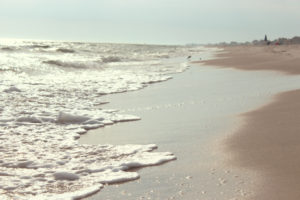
175, 117
187, 115
268, 141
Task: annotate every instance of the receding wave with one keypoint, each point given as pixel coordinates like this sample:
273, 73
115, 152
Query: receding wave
64, 50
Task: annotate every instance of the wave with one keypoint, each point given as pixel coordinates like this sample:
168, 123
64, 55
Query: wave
39, 46
83, 65
8, 49
74, 65
64, 50
111, 59
26, 47
9, 69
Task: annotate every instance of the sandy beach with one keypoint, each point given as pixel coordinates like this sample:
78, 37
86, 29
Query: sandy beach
268, 142
192, 115
150, 100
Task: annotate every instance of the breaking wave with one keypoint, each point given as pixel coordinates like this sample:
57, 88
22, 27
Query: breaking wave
75, 65
64, 50
110, 59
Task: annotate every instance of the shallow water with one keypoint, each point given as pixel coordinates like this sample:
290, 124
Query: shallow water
189, 116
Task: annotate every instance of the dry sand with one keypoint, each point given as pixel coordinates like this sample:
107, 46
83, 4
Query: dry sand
285, 58
269, 142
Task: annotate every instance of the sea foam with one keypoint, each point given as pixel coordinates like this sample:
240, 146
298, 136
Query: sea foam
51, 94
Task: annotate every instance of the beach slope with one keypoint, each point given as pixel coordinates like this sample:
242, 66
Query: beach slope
269, 142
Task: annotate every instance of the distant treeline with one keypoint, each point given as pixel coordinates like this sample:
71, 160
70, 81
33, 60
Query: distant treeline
279, 41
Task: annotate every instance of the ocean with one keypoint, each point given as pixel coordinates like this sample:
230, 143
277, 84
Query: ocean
52, 93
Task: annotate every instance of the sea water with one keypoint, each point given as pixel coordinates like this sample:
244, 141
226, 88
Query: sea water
51, 93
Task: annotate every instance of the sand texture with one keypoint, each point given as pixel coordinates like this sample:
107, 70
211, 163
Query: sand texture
269, 141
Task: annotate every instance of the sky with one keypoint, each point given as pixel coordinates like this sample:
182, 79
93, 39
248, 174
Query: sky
149, 21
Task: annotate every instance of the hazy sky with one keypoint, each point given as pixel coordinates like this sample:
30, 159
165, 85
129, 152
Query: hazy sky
149, 21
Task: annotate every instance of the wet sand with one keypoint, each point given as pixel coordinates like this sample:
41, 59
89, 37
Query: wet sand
268, 142
187, 116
